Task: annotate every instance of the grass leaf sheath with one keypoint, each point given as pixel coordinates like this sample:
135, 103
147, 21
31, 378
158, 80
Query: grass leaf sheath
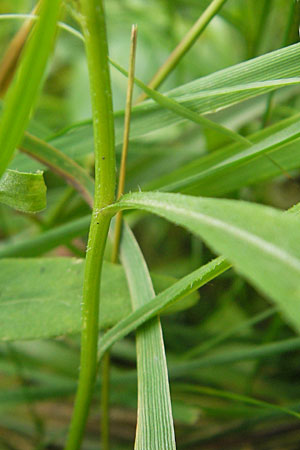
94, 30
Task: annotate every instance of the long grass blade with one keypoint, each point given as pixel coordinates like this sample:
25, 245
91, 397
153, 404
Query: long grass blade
155, 427
22, 94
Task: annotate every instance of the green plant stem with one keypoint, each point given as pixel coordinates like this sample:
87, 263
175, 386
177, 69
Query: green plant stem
94, 30
183, 47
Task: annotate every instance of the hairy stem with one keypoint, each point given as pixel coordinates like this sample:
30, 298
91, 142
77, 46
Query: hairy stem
94, 29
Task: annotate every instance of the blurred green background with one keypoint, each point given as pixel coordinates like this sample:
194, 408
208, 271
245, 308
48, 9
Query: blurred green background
37, 379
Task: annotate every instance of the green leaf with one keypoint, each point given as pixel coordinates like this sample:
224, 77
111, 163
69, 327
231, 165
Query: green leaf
22, 94
60, 164
23, 191
41, 298
155, 427
263, 244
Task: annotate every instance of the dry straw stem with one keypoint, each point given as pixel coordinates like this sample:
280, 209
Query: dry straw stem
127, 118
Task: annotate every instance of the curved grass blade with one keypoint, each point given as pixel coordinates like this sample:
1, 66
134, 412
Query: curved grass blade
220, 166
22, 93
234, 356
204, 390
60, 164
47, 240
169, 296
25, 192
202, 176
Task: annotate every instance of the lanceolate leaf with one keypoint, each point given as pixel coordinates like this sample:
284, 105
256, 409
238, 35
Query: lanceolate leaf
40, 298
262, 243
23, 191
155, 427
205, 95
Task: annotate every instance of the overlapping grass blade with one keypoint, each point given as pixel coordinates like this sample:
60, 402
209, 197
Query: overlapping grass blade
177, 291
43, 242
49, 291
205, 95
155, 427
234, 167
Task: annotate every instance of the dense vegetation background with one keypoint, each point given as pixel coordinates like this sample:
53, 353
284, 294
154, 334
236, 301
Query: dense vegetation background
229, 402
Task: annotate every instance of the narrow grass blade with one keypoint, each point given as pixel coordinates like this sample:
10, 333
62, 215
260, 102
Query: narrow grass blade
176, 292
186, 43
204, 390
220, 338
61, 164
155, 427
187, 113
48, 240
202, 176
25, 192
234, 356
22, 94
205, 95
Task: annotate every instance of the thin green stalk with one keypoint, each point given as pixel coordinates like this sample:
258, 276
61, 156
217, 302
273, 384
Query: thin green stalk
261, 28
21, 96
184, 46
105, 363
285, 42
94, 30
